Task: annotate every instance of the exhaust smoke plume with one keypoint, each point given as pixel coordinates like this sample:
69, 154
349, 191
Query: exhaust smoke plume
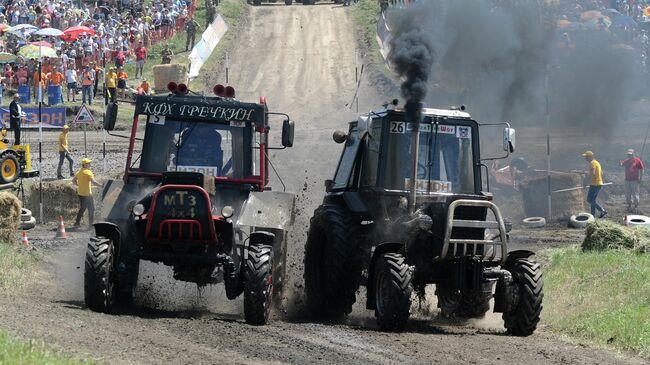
502, 58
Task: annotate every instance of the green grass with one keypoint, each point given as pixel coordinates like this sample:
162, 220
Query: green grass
21, 352
15, 263
365, 15
600, 296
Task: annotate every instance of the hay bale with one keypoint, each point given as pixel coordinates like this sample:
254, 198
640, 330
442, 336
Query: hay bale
564, 204
59, 199
9, 216
164, 74
606, 235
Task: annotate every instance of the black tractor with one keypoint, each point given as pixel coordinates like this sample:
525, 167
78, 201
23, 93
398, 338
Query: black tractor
406, 208
194, 197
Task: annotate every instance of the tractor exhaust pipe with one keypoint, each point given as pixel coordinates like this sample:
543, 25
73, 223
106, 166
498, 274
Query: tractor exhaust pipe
414, 115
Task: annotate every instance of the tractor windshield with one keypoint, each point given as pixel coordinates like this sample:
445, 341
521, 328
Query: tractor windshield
445, 157
222, 150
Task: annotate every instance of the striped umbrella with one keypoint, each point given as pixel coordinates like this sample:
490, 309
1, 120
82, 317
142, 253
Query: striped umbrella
7, 57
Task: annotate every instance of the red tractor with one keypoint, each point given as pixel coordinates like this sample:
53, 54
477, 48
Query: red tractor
195, 197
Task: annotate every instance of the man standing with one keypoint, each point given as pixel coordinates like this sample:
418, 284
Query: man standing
140, 57
64, 152
633, 171
595, 174
87, 82
166, 54
190, 27
84, 179
15, 115
111, 85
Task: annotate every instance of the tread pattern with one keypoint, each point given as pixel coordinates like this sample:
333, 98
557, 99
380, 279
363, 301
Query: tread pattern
98, 286
522, 320
258, 284
394, 309
332, 263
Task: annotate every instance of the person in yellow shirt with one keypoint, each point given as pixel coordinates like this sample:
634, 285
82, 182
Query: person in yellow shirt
64, 152
84, 180
111, 85
595, 173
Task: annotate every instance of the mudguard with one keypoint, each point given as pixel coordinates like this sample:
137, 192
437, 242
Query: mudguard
116, 197
268, 209
108, 230
382, 248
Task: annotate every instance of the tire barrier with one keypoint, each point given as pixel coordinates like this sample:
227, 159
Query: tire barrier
581, 220
534, 222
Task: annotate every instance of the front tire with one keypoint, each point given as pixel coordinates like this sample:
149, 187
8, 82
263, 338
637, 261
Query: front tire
522, 319
258, 285
393, 291
99, 269
332, 262
8, 168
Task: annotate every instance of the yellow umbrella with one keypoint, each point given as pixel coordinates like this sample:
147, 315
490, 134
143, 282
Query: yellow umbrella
35, 52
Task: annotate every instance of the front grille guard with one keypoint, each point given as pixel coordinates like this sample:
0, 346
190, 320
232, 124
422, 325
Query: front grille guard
452, 245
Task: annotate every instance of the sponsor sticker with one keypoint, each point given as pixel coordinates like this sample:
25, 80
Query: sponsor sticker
434, 186
463, 132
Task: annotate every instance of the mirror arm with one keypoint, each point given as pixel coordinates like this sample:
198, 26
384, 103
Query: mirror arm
273, 148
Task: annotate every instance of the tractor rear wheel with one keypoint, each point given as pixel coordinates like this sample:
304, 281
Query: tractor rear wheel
462, 303
258, 284
522, 318
8, 168
332, 262
99, 271
393, 291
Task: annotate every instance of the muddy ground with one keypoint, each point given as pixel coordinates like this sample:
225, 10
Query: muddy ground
303, 60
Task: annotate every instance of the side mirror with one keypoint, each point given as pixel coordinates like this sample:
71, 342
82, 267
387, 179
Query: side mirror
509, 139
339, 136
110, 116
288, 128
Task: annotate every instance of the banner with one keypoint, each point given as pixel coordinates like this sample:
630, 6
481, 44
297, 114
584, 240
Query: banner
203, 49
52, 117
383, 36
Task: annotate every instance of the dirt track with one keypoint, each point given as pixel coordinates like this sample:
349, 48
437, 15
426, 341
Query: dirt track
302, 59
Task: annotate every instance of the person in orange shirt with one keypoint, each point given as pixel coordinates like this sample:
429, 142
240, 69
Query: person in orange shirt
122, 76
55, 79
145, 87
87, 82
39, 85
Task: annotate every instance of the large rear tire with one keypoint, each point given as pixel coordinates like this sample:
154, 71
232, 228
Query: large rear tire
332, 262
393, 291
258, 284
99, 269
9, 168
462, 303
522, 319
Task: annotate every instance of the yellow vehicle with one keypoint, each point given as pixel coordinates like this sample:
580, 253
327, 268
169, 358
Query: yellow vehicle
15, 161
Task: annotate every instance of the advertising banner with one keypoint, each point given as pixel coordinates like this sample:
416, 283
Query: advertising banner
203, 49
52, 117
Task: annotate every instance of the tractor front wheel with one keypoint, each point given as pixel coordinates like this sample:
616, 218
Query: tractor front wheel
258, 284
393, 290
8, 168
99, 272
521, 319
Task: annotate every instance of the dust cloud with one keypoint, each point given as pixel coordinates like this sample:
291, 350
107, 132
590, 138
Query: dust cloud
501, 59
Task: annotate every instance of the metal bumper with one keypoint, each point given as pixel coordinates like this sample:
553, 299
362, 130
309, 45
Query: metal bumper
451, 245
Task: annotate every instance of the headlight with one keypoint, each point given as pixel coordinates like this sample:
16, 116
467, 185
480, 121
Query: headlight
425, 222
227, 211
138, 209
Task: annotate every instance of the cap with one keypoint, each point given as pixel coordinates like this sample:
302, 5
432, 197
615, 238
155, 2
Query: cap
85, 161
630, 151
66, 127
588, 154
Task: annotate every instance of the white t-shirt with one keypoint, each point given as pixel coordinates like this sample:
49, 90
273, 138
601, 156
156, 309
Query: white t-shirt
71, 76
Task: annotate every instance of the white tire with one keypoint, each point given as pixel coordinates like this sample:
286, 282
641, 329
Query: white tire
28, 224
637, 221
25, 215
581, 220
534, 222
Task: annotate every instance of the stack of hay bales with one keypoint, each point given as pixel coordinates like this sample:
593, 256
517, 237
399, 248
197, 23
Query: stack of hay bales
606, 235
59, 199
563, 204
9, 216
164, 74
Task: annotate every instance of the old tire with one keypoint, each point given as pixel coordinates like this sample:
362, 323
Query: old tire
636, 220
462, 303
288, 2
534, 222
99, 270
393, 290
31, 223
257, 2
332, 262
25, 215
9, 168
258, 284
522, 319
581, 220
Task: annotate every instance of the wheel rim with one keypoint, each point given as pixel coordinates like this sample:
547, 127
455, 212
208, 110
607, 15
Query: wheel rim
9, 169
